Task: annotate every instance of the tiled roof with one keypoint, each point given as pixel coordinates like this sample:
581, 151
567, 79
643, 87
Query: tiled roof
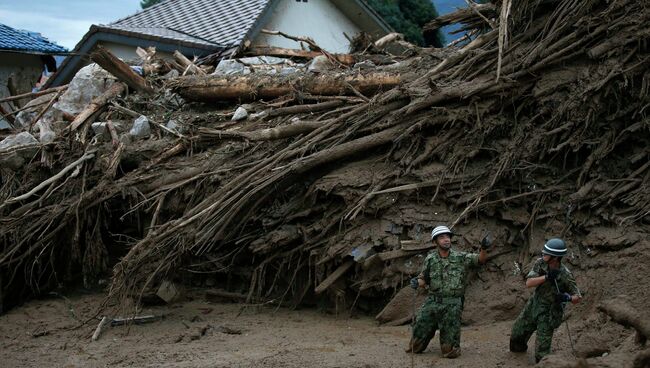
16, 40
157, 32
223, 22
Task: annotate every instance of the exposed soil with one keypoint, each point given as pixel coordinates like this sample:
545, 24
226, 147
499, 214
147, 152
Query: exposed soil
198, 333
269, 337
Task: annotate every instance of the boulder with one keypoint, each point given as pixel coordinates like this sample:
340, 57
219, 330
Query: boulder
15, 160
141, 128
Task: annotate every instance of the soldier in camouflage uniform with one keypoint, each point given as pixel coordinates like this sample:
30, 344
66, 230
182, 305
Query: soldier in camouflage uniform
445, 273
554, 286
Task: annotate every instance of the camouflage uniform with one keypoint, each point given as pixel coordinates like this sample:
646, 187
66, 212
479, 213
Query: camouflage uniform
443, 308
542, 312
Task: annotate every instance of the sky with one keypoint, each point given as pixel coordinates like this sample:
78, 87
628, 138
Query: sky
63, 21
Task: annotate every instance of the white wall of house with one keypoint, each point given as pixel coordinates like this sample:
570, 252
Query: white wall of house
127, 52
318, 19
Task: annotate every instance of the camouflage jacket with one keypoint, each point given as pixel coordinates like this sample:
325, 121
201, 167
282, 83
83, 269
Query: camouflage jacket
448, 276
545, 293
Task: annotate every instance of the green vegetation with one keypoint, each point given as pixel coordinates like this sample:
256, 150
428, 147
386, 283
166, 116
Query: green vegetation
147, 3
408, 17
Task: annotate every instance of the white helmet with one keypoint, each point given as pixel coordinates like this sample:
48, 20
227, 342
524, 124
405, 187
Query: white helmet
439, 230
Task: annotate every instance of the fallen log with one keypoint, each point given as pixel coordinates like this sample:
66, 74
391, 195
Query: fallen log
622, 312
251, 87
290, 130
120, 70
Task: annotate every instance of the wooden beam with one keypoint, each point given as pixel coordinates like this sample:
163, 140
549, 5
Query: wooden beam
252, 87
34, 94
120, 70
334, 276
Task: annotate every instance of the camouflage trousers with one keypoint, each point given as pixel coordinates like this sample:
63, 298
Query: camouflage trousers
442, 314
535, 317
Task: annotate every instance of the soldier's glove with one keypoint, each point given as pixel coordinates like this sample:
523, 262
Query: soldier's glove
414, 283
486, 242
562, 298
552, 274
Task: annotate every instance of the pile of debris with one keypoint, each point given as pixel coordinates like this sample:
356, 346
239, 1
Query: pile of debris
316, 174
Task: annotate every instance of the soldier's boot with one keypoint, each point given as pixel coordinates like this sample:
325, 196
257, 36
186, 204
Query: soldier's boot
450, 352
518, 346
416, 345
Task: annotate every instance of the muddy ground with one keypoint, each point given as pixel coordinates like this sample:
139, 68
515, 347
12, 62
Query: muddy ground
198, 333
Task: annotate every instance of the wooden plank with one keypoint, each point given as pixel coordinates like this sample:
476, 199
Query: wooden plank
334, 276
34, 94
398, 253
416, 245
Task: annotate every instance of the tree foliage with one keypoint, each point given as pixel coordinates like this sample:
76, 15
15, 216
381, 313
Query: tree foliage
147, 3
408, 17
405, 16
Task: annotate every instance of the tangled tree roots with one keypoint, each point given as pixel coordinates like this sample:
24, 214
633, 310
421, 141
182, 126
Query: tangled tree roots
541, 119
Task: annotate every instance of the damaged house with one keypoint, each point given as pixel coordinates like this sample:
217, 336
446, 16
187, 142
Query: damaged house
203, 27
24, 56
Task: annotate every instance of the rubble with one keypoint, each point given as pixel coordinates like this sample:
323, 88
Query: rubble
327, 191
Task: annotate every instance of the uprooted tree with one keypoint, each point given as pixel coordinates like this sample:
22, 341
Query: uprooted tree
540, 119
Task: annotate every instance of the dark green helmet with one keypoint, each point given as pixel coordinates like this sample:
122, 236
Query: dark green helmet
555, 247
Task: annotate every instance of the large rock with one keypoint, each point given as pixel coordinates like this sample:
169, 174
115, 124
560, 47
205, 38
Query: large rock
89, 82
15, 160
